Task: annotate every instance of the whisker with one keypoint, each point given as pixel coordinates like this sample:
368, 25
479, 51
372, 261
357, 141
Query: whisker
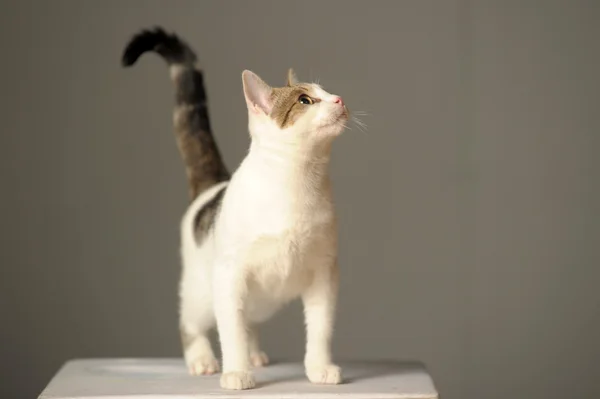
359, 124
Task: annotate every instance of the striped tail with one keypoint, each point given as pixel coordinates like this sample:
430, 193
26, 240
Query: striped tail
197, 146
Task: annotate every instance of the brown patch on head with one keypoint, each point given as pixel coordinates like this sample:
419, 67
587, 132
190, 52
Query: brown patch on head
286, 106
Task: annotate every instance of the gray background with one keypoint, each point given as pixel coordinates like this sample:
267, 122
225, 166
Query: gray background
469, 210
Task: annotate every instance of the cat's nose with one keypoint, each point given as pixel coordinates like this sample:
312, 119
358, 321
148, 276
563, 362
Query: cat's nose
338, 100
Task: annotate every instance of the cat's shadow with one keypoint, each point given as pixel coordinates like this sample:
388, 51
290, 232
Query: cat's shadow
353, 371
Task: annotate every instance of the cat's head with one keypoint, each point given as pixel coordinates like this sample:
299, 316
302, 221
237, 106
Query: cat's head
295, 112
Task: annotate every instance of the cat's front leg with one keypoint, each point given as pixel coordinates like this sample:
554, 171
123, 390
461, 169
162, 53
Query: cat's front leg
229, 296
319, 310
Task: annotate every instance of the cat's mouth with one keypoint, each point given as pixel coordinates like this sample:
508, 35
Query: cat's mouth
339, 119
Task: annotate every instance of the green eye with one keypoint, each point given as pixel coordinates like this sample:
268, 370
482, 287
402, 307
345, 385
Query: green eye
306, 100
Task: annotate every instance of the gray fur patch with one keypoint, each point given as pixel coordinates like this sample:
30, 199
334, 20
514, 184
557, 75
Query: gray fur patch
206, 216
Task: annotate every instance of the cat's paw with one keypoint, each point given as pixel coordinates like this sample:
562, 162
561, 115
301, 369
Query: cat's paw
204, 365
259, 359
237, 380
325, 374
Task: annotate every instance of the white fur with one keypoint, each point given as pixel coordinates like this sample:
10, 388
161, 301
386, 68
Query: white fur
274, 240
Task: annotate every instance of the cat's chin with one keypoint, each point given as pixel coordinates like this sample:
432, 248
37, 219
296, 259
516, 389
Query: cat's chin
335, 127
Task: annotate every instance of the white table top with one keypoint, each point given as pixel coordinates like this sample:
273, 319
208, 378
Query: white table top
168, 378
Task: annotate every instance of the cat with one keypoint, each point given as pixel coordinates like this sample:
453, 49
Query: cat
263, 236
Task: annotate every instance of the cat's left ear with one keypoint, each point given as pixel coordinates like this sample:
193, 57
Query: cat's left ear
257, 93
292, 79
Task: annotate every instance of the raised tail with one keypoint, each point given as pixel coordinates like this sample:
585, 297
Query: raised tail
203, 161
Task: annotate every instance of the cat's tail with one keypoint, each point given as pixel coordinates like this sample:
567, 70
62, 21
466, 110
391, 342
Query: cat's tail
203, 162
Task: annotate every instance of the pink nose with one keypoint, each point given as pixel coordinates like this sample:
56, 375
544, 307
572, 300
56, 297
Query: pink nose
338, 100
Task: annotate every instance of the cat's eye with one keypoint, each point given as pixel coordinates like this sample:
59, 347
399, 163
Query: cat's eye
306, 100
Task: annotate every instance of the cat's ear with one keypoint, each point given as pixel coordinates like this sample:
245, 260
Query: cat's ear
291, 78
257, 93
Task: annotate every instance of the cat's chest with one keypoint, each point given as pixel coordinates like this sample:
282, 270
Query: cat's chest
283, 229
272, 211
286, 213
281, 266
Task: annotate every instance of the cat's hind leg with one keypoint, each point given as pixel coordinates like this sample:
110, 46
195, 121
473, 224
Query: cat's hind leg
196, 320
199, 356
258, 358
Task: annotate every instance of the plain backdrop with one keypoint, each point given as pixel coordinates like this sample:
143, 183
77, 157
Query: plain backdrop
469, 210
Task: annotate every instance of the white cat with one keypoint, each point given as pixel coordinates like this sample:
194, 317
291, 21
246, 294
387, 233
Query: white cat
254, 241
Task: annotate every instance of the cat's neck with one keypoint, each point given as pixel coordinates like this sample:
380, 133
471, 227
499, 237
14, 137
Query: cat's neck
298, 164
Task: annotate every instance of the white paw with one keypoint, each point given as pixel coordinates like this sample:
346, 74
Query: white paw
327, 374
259, 359
237, 380
205, 365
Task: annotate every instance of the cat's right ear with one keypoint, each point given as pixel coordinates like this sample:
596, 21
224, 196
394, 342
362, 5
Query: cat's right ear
257, 93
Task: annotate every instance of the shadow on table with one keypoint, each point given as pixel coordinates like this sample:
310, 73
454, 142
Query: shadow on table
359, 371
